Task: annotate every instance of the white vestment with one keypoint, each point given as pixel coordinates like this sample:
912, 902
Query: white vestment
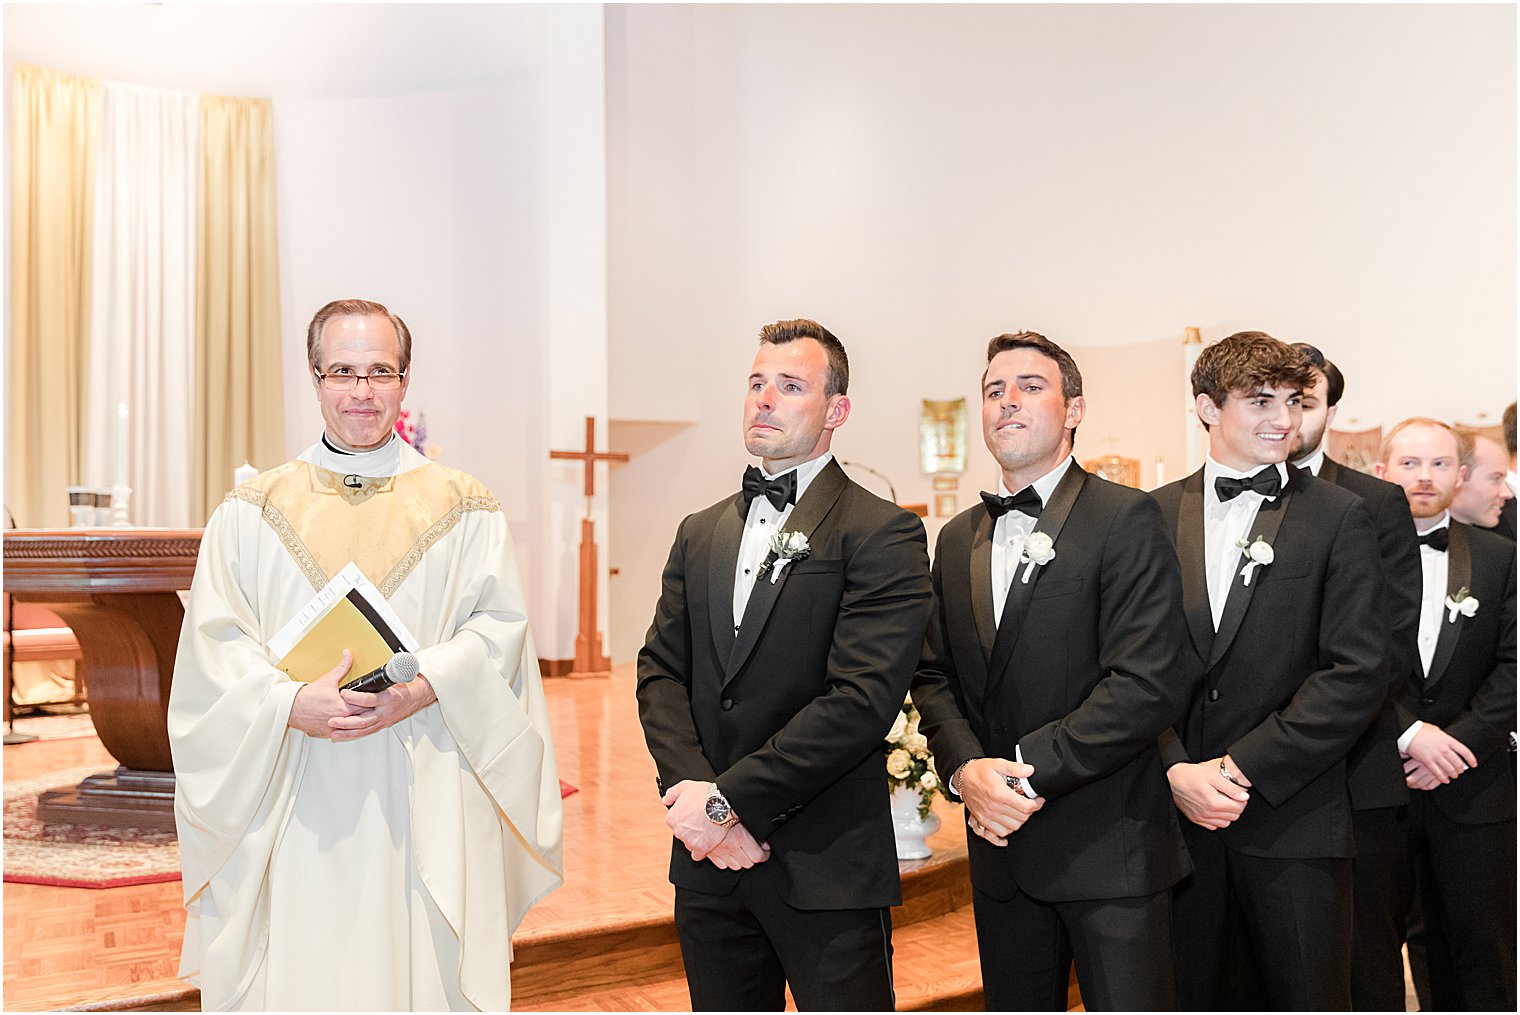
385, 873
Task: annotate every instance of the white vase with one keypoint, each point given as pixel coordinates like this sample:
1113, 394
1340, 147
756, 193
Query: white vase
908, 828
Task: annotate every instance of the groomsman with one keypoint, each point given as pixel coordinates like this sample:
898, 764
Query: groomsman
1484, 499
1057, 642
790, 618
1280, 576
1458, 711
1374, 771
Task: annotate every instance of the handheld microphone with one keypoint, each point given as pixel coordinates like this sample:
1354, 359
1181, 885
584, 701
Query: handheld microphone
402, 669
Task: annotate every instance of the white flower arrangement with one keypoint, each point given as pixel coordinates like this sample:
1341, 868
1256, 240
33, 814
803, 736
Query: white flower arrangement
909, 763
1463, 602
1257, 554
1039, 550
787, 546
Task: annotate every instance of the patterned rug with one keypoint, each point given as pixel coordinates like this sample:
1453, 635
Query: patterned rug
57, 727
79, 856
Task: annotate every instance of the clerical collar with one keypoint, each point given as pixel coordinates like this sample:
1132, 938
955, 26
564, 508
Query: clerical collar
386, 460
1046, 484
806, 472
1314, 462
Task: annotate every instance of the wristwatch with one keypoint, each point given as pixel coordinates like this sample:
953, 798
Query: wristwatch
719, 811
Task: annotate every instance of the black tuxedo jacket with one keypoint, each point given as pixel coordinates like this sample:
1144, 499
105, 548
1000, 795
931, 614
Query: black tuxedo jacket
1470, 692
788, 716
1085, 670
1374, 771
1295, 672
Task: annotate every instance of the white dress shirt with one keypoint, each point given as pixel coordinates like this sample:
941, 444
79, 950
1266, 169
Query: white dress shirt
1225, 523
1434, 566
1513, 481
1314, 462
762, 522
1011, 531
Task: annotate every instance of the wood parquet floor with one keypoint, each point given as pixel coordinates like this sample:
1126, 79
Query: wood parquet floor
603, 941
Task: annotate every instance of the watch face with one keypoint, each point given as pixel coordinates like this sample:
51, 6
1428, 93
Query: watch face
718, 809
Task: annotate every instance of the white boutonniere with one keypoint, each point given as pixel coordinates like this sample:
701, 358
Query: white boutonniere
1463, 602
1039, 550
1257, 554
787, 546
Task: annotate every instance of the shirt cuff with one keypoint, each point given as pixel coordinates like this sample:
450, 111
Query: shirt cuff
1024, 786
1407, 736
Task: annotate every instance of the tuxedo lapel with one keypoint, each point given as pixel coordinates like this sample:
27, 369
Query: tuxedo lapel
1328, 469
1193, 561
821, 495
1269, 518
980, 585
1458, 575
723, 558
1016, 606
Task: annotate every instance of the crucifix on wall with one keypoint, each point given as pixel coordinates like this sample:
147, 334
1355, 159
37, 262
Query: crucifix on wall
590, 660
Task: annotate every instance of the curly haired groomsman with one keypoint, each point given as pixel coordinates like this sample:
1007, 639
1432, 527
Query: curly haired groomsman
1280, 577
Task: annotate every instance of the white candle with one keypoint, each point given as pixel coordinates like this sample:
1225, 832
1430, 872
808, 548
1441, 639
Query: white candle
121, 444
1160, 471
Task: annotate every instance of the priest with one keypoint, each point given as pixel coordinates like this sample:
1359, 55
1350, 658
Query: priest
346, 850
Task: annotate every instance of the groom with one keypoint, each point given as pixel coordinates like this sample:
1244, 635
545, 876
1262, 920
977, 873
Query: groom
789, 622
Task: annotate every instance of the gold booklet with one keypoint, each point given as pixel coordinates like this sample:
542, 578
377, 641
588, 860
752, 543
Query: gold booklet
348, 613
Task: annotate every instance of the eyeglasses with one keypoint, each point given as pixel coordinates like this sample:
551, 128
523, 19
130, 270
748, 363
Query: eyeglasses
379, 380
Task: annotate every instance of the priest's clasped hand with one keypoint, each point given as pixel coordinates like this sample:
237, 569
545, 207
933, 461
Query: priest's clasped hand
323, 710
731, 847
995, 810
1205, 796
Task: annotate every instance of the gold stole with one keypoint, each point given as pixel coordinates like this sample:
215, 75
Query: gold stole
384, 525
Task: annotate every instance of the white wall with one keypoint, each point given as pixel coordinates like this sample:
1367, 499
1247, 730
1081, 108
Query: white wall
920, 178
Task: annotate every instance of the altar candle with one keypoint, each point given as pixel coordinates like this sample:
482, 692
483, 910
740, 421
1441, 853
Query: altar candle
1160, 471
121, 444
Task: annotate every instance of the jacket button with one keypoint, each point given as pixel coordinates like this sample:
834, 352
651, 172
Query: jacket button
1214, 694
727, 704
1427, 701
778, 821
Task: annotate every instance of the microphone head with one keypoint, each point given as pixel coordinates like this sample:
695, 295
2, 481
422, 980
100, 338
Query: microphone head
402, 668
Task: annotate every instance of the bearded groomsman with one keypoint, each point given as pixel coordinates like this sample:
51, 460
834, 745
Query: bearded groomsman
1457, 710
1054, 658
1280, 577
1374, 771
790, 617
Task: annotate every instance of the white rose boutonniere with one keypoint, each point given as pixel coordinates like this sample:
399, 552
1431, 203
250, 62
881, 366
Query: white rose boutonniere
787, 546
1039, 550
1257, 554
1463, 602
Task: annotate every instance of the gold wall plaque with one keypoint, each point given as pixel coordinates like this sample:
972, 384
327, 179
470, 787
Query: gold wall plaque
942, 437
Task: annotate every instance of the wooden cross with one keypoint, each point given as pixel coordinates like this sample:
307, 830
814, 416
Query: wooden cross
590, 660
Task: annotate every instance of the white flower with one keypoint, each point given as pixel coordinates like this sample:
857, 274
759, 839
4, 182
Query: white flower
1257, 554
929, 780
899, 763
1462, 602
899, 727
787, 546
917, 744
1039, 550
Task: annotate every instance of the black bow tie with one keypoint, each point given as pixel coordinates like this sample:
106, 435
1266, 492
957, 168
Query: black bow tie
1436, 539
1267, 482
1026, 500
780, 491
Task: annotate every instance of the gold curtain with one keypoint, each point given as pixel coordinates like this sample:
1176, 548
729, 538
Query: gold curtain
239, 393
52, 196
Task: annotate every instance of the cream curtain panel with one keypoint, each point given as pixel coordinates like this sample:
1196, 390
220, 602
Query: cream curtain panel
142, 327
54, 124
239, 394
144, 273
